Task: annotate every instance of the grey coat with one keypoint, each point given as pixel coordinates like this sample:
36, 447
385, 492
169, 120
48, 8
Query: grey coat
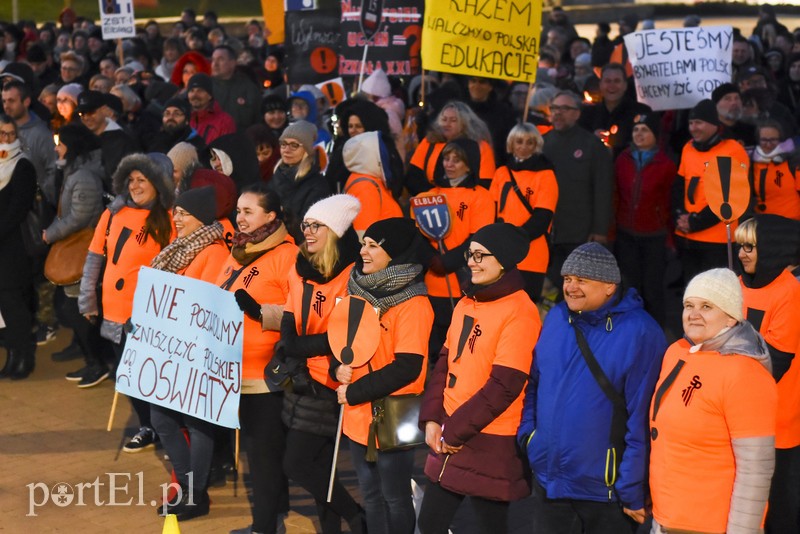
81, 199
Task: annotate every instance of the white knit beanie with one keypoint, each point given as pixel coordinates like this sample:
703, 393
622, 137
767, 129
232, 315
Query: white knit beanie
721, 287
377, 84
336, 212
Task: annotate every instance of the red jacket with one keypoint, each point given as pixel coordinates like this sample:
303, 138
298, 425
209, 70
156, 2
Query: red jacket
212, 122
643, 196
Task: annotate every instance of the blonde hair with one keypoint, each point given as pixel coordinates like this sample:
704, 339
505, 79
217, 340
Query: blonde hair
525, 129
746, 232
326, 259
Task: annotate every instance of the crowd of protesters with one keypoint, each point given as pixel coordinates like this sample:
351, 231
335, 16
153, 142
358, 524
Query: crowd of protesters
195, 156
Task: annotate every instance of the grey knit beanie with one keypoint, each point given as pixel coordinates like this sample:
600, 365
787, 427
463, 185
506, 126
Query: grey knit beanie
304, 132
592, 261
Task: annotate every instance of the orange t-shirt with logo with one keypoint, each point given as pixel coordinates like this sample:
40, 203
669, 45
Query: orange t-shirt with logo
377, 202
774, 310
540, 190
471, 208
713, 399
692, 169
208, 263
501, 332
405, 328
776, 189
227, 232
323, 300
265, 280
128, 249
426, 156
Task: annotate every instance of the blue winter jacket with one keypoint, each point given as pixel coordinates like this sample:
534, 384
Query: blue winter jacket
566, 419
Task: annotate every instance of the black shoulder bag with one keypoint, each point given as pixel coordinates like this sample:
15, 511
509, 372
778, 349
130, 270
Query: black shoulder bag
619, 419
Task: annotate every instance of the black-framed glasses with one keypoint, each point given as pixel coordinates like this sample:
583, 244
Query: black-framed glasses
292, 145
311, 227
747, 247
554, 109
476, 255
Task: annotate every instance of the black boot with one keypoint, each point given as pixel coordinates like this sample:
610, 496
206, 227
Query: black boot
5, 372
23, 365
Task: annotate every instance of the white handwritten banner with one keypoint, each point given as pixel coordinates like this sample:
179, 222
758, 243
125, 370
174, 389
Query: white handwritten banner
116, 19
677, 68
487, 38
185, 349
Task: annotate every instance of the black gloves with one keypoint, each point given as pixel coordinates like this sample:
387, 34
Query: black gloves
248, 304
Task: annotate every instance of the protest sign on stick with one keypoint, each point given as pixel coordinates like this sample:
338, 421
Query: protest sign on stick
677, 68
184, 351
312, 46
490, 38
116, 19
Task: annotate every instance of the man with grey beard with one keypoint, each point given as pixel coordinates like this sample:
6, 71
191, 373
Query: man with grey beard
729, 108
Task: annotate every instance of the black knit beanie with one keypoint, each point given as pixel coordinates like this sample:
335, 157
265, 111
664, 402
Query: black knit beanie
200, 202
508, 243
705, 110
396, 236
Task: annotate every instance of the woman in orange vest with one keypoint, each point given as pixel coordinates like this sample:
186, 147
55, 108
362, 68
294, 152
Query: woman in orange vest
456, 120
712, 418
367, 159
773, 173
525, 194
311, 407
767, 246
388, 275
198, 251
255, 272
131, 232
473, 402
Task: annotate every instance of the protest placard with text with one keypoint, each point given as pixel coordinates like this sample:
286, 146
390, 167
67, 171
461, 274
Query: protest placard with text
185, 349
116, 19
677, 68
312, 45
489, 38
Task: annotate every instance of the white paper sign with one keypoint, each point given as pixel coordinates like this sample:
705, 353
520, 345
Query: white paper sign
185, 350
677, 68
116, 19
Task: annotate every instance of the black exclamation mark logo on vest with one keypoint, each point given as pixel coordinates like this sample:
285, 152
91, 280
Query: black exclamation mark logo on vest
124, 235
356, 312
762, 189
724, 165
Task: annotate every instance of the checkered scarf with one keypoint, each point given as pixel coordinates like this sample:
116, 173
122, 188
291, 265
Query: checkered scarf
179, 254
389, 287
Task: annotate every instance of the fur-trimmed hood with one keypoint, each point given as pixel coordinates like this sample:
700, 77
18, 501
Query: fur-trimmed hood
153, 170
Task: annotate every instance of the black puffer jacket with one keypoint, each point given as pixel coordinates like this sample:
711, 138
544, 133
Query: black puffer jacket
297, 194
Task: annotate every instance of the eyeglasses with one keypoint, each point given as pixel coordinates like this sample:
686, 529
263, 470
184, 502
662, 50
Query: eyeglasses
747, 247
558, 109
311, 227
178, 213
292, 145
11, 134
769, 140
476, 255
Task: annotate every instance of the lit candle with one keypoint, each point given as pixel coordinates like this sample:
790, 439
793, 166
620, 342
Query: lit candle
587, 97
55, 139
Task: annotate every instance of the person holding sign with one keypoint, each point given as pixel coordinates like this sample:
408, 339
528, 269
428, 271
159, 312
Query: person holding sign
525, 193
473, 402
134, 228
767, 246
712, 417
471, 208
311, 408
388, 275
700, 235
198, 252
456, 120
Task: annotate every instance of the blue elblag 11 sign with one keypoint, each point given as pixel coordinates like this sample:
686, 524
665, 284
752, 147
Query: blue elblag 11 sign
432, 215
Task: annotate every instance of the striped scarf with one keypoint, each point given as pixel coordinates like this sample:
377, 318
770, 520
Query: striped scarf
179, 254
389, 287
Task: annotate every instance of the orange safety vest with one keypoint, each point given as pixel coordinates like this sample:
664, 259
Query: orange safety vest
405, 328
777, 189
540, 190
228, 231
426, 155
377, 202
265, 280
128, 248
481, 335
312, 303
773, 310
471, 208
692, 169
694, 415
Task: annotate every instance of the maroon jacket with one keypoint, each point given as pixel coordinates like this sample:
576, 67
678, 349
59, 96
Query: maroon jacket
643, 196
212, 122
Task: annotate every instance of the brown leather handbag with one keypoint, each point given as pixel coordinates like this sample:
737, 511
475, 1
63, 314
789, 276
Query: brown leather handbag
64, 263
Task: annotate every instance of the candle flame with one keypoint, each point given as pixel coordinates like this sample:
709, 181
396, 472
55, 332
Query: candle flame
587, 97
